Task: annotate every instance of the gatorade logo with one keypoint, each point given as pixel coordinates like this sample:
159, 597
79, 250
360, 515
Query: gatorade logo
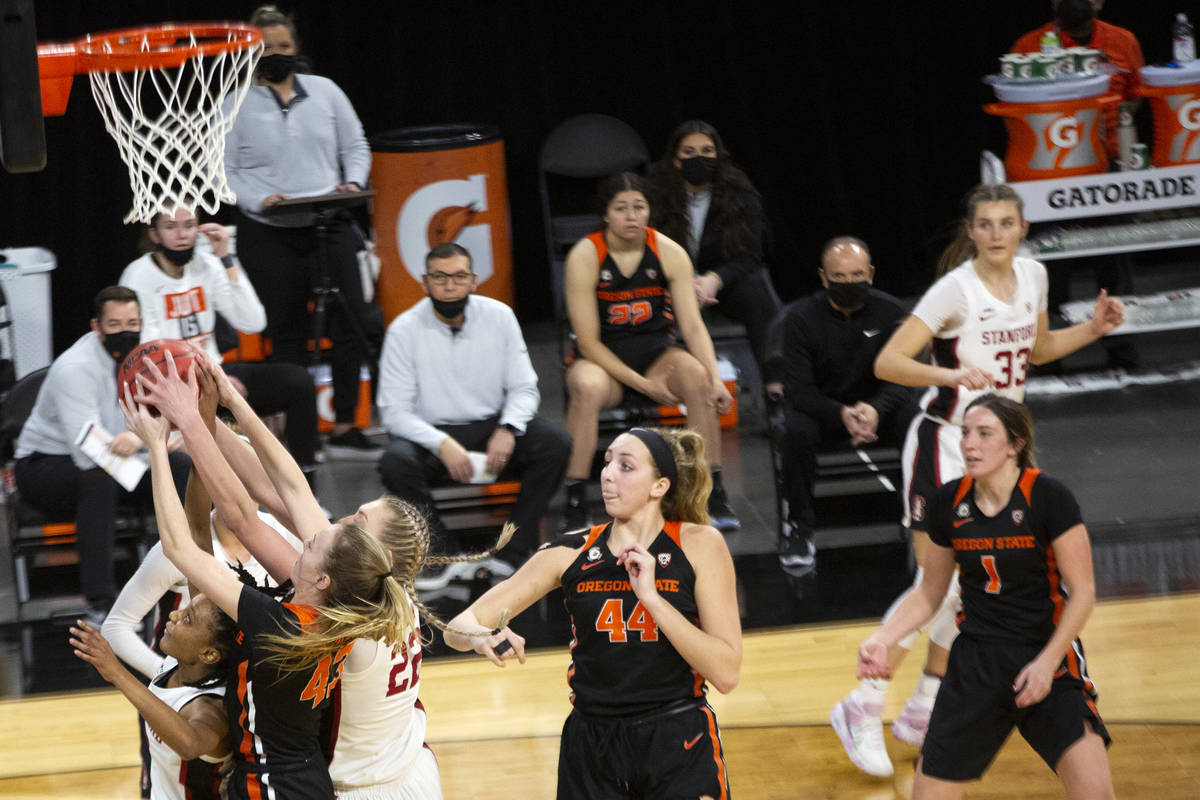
446, 211
1189, 115
1061, 140
1185, 141
1065, 133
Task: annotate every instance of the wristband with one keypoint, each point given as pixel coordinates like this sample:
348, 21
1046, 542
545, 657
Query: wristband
229, 261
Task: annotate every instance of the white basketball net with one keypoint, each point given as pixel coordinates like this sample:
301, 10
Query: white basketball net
170, 125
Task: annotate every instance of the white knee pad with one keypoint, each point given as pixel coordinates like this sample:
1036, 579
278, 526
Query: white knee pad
908, 641
943, 630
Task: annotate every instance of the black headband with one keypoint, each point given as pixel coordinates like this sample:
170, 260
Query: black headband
660, 452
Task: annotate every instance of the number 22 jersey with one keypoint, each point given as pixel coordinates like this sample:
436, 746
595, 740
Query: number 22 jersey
621, 665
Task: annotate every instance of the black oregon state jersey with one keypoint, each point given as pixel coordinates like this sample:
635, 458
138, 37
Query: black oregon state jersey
621, 665
635, 305
1011, 588
275, 717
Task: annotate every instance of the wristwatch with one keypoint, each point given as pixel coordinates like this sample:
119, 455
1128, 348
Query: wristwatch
508, 426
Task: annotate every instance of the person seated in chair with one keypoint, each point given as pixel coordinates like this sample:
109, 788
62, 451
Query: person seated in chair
704, 201
182, 291
831, 397
52, 473
626, 287
455, 379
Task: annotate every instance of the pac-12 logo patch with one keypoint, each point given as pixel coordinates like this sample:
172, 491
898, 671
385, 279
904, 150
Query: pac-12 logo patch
651, 273
664, 559
605, 275
594, 554
1018, 516
963, 510
918, 508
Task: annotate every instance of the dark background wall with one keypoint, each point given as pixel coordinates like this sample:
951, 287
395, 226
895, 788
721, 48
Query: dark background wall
851, 116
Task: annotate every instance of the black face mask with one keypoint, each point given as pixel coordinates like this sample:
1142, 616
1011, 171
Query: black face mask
177, 257
276, 67
850, 296
698, 170
120, 344
449, 309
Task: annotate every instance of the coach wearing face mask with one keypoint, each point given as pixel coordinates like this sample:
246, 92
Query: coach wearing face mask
298, 136
455, 378
831, 397
701, 199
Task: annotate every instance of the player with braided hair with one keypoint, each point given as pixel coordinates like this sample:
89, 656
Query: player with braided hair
380, 725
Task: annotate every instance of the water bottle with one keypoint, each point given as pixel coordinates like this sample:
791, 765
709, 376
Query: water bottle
1184, 40
1051, 44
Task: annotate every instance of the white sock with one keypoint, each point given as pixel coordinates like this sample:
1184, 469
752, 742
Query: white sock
873, 690
926, 691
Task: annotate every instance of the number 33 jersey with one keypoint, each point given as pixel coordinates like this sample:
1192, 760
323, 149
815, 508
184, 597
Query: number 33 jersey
621, 665
1011, 587
635, 305
972, 328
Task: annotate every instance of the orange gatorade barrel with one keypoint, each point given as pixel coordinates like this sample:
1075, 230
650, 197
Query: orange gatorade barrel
435, 184
1176, 111
1056, 139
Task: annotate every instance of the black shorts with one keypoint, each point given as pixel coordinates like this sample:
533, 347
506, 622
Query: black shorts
676, 753
640, 351
976, 711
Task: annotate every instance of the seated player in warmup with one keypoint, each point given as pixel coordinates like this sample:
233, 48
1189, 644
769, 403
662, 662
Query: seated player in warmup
184, 713
380, 743
1019, 542
703, 200
985, 322
289, 656
626, 286
181, 291
652, 601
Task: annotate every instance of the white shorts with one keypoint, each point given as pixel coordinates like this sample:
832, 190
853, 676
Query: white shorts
423, 782
932, 455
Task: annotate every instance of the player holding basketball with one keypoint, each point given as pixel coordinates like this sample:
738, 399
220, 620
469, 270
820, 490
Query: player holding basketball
290, 655
181, 291
986, 321
380, 748
1019, 541
654, 615
185, 721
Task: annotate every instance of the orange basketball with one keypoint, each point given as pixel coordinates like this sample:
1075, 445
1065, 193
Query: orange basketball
158, 351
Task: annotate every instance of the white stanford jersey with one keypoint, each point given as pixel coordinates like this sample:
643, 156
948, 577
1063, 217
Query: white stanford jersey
381, 729
971, 328
170, 777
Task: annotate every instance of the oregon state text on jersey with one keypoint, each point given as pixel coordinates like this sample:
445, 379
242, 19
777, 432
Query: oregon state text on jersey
635, 305
995, 336
274, 716
1011, 587
620, 664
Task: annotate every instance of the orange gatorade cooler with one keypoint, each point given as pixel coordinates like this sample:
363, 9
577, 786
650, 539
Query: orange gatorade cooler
1055, 139
1174, 95
435, 184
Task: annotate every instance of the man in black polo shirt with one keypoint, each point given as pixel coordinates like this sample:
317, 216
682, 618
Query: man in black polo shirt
829, 341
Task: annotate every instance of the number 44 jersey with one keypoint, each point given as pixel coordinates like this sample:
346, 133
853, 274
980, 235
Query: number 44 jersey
621, 665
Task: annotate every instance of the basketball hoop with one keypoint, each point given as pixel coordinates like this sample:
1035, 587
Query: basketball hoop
168, 94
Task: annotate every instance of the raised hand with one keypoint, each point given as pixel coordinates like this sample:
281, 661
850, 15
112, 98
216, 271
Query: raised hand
1108, 314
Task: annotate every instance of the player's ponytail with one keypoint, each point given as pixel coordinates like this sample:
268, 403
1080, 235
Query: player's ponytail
688, 499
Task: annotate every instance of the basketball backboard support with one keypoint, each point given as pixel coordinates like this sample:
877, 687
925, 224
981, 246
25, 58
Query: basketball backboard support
22, 132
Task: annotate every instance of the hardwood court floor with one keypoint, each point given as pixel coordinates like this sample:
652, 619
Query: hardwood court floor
495, 732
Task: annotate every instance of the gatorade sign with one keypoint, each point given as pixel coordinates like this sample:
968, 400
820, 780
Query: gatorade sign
1059, 137
1185, 145
1110, 193
451, 189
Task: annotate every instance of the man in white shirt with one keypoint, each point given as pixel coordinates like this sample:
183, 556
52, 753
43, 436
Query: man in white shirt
455, 377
